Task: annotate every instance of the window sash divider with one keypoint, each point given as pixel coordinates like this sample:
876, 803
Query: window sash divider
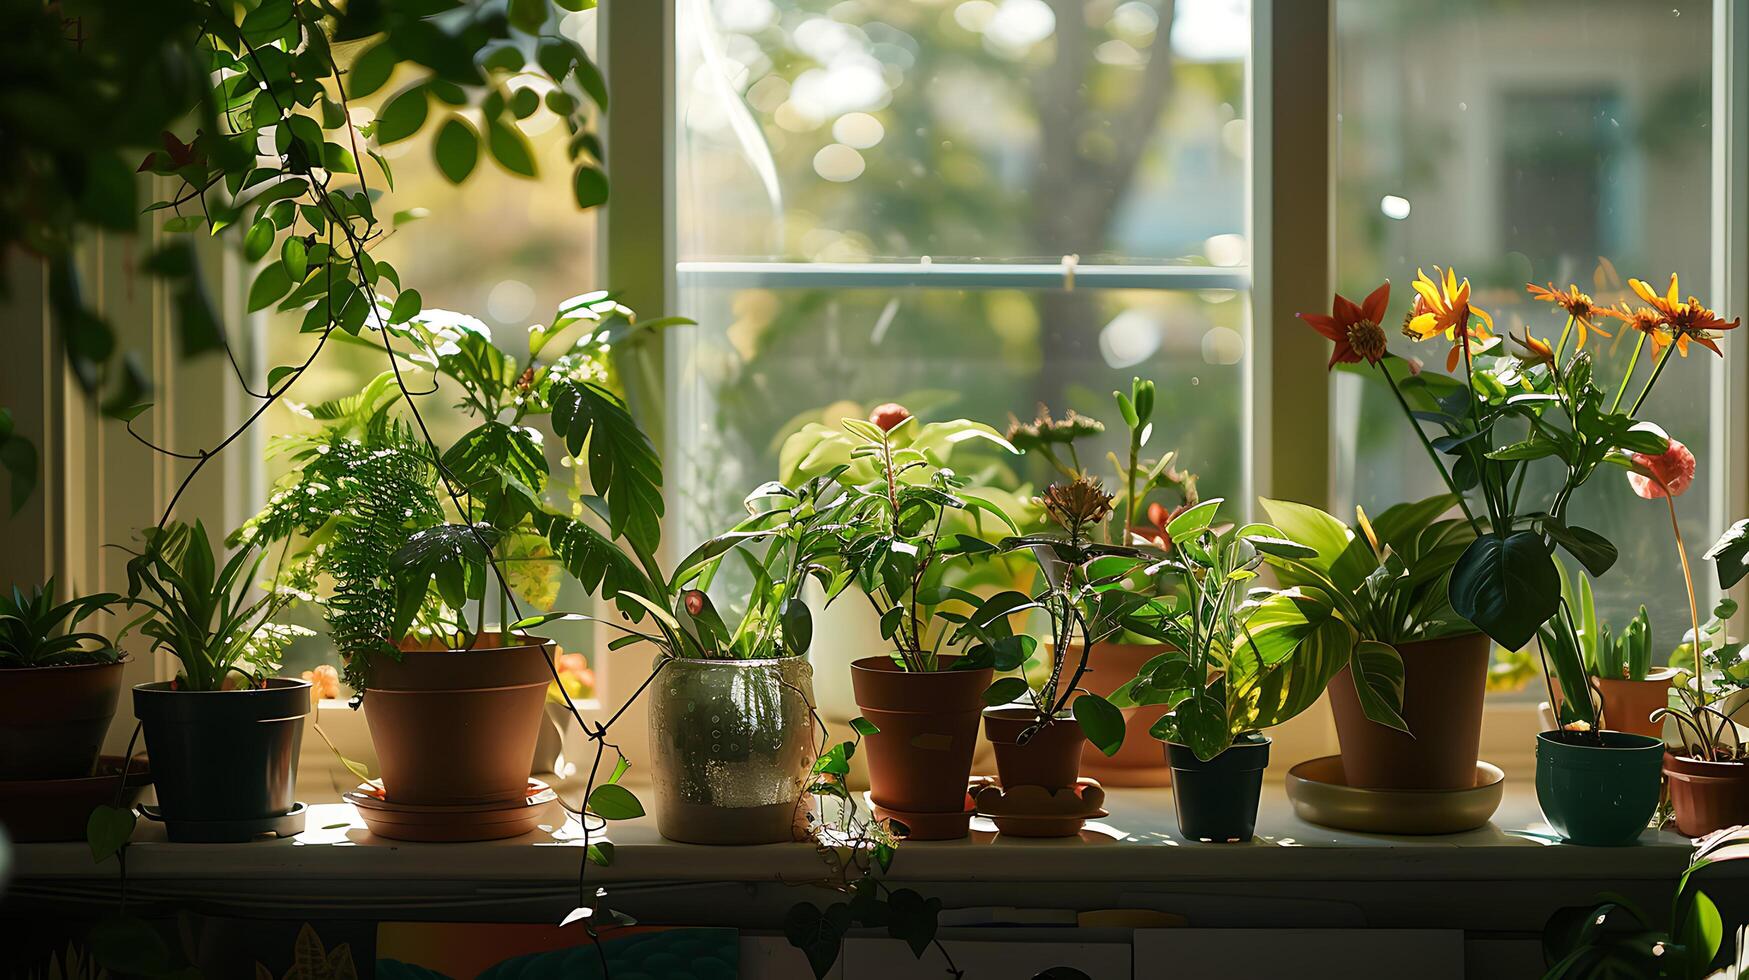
957, 275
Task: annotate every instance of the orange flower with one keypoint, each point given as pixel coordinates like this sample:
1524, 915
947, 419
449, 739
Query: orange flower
1443, 307
1578, 305
1644, 319
1535, 351
1682, 322
1354, 329
1669, 473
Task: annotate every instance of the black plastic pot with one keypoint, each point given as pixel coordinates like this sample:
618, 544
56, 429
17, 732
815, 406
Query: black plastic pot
224, 757
1217, 800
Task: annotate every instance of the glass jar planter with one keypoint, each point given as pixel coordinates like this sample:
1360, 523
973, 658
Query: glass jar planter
732, 743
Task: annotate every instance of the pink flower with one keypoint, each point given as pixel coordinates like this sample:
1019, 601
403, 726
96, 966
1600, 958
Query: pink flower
1670, 472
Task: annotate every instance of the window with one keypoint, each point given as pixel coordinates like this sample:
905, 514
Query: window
875, 201
1564, 142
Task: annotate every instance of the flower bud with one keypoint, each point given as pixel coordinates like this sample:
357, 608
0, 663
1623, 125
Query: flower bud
888, 416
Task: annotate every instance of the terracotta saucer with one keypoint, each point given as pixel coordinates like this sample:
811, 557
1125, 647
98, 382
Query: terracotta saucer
40, 810
927, 826
445, 824
1034, 811
1320, 796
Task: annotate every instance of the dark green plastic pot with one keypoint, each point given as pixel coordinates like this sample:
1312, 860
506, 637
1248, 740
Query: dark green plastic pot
221, 756
1217, 800
1601, 795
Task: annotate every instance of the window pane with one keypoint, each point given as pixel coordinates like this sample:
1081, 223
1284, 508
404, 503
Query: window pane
762, 363
995, 129
1558, 141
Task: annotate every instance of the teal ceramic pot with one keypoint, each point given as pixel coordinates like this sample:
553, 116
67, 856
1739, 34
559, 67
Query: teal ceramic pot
1601, 795
1216, 801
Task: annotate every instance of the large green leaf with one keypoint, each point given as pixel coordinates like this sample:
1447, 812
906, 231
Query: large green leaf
623, 465
1293, 644
1377, 669
1731, 554
595, 562
1506, 587
1341, 556
1101, 722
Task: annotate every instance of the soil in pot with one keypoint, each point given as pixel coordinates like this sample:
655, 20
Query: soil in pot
1444, 681
1707, 795
224, 756
53, 719
1049, 757
1599, 788
458, 727
1138, 762
1217, 800
921, 759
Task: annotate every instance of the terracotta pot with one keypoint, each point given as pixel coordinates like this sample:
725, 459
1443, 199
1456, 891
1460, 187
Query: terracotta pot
458, 727
53, 719
1051, 755
1444, 681
1708, 796
1138, 762
1628, 705
921, 759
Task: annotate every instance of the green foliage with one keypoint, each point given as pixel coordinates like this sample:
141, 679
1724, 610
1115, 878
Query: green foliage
200, 611
229, 78
1730, 554
36, 631
1243, 659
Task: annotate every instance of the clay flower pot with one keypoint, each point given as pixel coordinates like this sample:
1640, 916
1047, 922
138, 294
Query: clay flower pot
458, 727
224, 756
1138, 762
1216, 801
1050, 757
1602, 795
921, 759
1444, 681
1707, 795
1628, 705
732, 743
53, 719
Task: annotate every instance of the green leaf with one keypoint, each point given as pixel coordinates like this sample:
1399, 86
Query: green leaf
1194, 520
589, 184
1506, 587
1101, 721
371, 70
1593, 550
1377, 670
407, 306
1004, 691
600, 854
611, 801
862, 726
1731, 554
270, 284
1702, 932
528, 16
798, 626
1201, 724
913, 918
817, 934
402, 116
456, 149
108, 830
510, 148
1528, 449
295, 256
258, 240
623, 465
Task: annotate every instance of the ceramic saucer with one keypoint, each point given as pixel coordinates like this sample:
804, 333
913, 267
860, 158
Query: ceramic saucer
1321, 796
1033, 811
463, 822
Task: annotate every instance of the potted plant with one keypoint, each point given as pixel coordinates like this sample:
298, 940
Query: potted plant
1243, 661
1629, 689
1149, 493
922, 702
1089, 588
58, 684
1408, 704
223, 736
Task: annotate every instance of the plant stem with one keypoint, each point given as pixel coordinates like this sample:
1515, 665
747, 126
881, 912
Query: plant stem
1427, 444
1628, 375
1501, 527
1657, 369
1565, 331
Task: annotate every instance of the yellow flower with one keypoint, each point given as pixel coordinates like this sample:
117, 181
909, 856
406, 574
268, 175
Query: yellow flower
1578, 305
1685, 322
1442, 306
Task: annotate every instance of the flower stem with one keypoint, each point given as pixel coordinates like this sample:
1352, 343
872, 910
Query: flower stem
1427, 444
1565, 331
1501, 527
1628, 375
1657, 369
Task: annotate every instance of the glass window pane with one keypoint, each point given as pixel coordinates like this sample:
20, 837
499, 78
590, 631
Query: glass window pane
1560, 141
850, 130
762, 363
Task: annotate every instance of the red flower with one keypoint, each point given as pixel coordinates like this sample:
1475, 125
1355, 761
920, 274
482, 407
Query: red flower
1669, 473
888, 416
1354, 329
1159, 515
694, 601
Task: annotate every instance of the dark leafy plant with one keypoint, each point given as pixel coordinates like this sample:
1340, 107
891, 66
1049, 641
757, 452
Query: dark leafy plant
200, 611
1244, 659
197, 88
1617, 939
37, 631
1388, 579
896, 541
